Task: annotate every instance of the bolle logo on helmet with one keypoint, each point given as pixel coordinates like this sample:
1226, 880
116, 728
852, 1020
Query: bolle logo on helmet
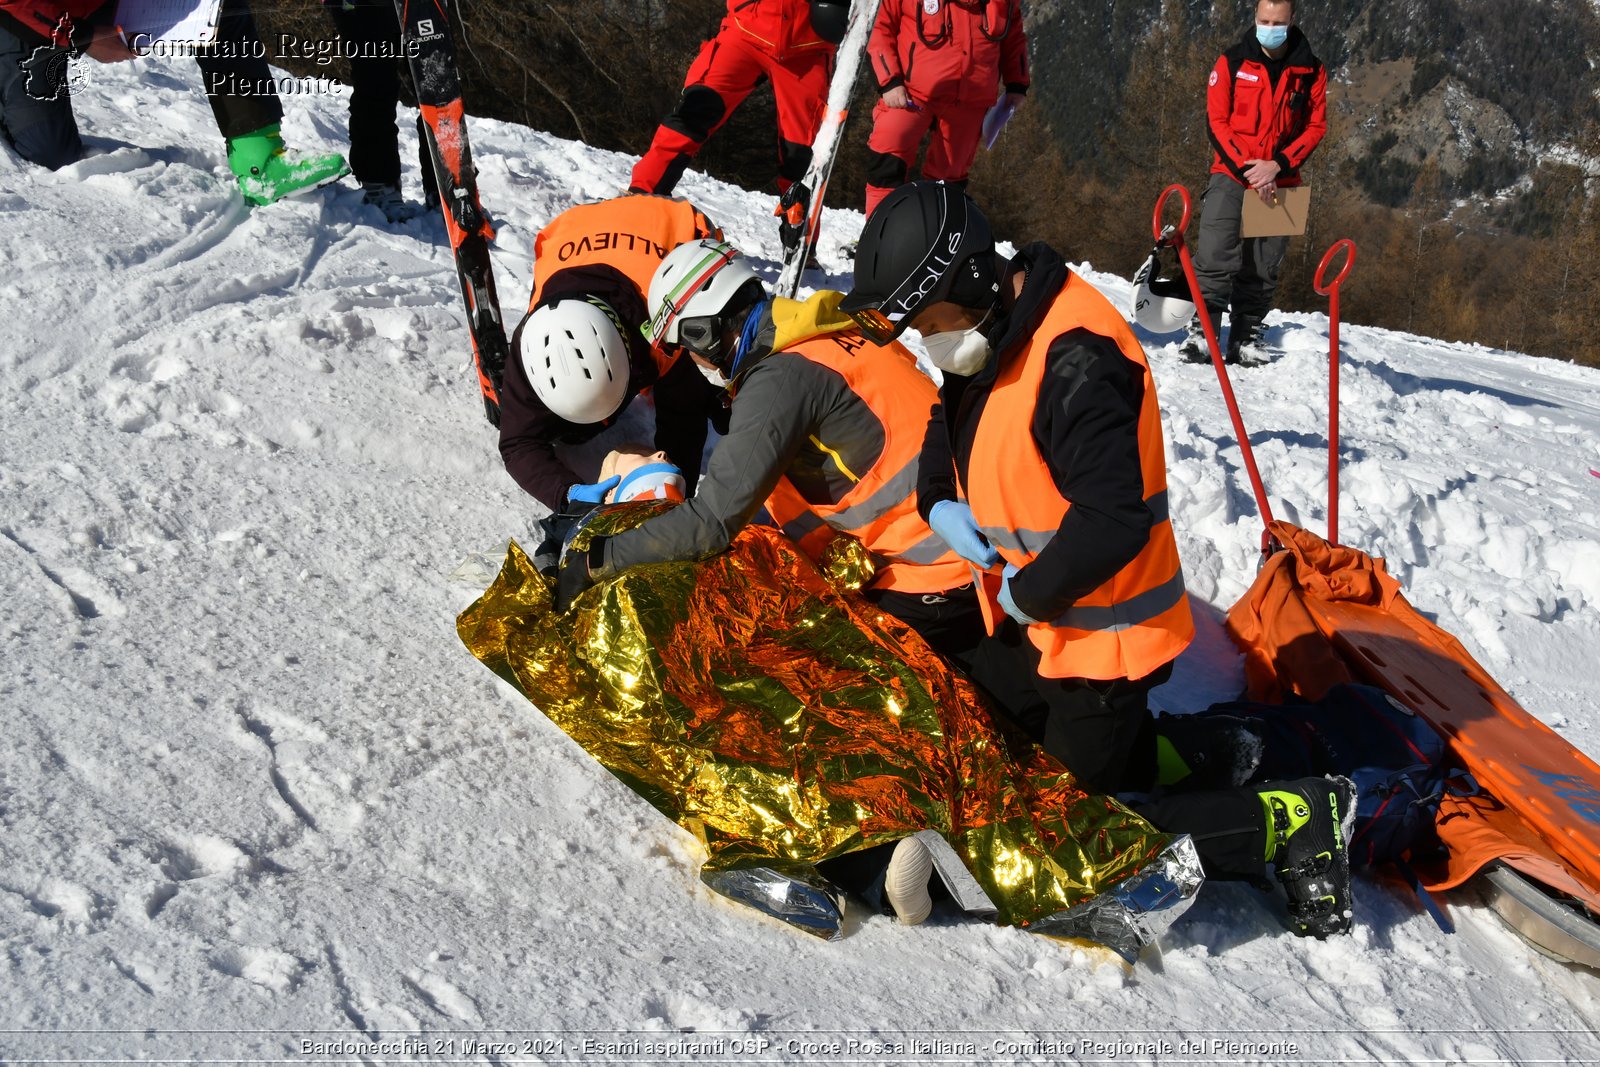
933, 270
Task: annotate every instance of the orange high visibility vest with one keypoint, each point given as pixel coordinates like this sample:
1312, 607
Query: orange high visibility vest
1139, 619
881, 507
631, 234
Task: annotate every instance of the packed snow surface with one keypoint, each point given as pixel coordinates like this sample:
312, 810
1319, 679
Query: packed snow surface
257, 801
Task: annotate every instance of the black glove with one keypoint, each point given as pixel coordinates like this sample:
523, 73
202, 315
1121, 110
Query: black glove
575, 574
555, 533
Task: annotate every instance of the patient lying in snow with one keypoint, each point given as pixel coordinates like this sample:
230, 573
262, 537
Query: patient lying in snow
786, 723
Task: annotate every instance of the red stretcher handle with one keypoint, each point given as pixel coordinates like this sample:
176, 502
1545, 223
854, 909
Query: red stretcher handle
1164, 234
1330, 289
1172, 236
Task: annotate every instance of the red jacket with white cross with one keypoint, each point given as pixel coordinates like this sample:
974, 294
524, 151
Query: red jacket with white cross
1258, 107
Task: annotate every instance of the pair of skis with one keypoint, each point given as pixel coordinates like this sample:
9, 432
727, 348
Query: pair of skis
430, 49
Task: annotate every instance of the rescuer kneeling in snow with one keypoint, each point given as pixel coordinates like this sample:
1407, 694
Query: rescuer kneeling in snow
580, 359
824, 431
1043, 464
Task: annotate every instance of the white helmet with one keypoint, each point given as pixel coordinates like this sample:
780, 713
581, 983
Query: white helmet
1160, 304
576, 359
696, 287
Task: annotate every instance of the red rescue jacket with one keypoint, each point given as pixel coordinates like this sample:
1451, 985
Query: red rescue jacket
780, 28
950, 52
1261, 108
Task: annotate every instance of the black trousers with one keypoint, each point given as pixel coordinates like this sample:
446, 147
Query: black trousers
378, 82
239, 83
1235, 273
951, 621
1103, 732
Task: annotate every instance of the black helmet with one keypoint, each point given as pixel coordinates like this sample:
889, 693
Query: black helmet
926, 242
830, 18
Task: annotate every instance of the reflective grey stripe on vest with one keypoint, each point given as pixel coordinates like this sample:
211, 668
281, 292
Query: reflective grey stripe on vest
1033, 541
802, 524
927, 550
882, 500
1128, 614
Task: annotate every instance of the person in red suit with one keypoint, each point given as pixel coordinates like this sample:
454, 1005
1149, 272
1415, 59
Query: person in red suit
1266, 110
939, 65
790, 42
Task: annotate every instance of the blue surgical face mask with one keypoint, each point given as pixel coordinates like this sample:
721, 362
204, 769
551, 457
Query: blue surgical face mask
1271, 36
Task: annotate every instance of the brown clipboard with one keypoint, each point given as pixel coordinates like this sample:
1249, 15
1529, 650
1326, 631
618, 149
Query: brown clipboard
1285, 217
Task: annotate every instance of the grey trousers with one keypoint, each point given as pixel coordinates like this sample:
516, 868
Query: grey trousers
1235, 273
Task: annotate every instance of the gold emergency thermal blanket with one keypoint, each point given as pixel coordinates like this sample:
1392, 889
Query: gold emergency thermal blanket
784, 722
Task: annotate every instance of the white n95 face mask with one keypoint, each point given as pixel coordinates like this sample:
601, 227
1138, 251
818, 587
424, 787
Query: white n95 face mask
962, 352
711, 374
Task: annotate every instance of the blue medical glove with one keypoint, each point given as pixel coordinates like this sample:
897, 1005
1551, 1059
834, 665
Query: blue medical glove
593, 493
952, 520
1009, 604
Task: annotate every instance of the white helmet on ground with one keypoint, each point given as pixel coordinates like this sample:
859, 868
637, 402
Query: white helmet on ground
576, 359
1161, 304
694, 291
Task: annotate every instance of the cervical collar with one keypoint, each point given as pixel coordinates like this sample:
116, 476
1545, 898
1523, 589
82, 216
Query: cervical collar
653, 481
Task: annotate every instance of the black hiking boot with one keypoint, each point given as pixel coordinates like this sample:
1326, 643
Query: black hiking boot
1308, 830
1193, 349
1246, 344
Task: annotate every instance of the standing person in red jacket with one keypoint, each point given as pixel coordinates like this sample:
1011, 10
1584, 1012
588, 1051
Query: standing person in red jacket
939, 65
1266, 107
791, 42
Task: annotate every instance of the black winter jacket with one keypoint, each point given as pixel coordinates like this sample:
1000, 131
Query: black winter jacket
1086, 425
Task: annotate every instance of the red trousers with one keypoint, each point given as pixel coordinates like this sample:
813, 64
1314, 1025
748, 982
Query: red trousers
721, 77
896, 133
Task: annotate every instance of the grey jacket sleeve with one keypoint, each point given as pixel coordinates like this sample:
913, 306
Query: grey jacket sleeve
772, 414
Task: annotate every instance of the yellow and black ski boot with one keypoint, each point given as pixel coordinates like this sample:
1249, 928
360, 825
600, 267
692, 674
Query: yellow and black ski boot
1308, 842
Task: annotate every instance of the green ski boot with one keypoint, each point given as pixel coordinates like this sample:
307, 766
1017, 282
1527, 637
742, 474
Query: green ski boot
266, 173
1308, 841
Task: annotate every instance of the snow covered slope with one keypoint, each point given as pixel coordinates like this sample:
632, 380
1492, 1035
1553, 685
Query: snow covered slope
253, 791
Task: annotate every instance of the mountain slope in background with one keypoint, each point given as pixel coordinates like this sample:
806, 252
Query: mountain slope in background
254, 793
1475, 87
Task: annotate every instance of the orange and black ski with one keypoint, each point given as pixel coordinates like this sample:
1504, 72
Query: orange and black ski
430, 49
